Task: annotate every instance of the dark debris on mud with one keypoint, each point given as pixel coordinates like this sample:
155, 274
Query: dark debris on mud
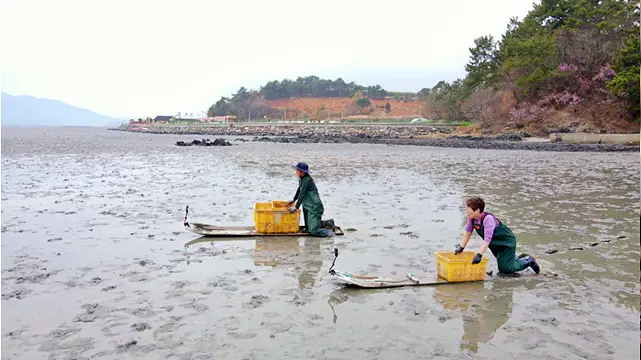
18, 294
36, 278
205, 142
580, 248
92, 312
256, 301
140, 326
127, 345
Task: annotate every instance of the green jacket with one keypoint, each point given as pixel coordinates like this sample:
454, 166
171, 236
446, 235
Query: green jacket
307, 195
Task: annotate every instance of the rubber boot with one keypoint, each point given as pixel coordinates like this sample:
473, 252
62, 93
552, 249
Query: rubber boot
329, 224
534, 265
531, 262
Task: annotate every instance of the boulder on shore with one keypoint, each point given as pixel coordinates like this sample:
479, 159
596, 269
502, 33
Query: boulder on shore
205, 142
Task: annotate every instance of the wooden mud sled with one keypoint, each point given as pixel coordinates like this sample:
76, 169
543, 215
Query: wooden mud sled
208, 230
379, 282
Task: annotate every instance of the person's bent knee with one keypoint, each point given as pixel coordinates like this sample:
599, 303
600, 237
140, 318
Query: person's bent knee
322, 233
506, 270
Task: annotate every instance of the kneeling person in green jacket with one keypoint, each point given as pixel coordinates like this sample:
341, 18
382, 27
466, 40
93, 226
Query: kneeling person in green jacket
496, 236
307, 196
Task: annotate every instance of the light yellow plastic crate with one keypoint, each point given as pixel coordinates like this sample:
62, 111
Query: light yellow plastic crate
280, 204
270, 220
457, 268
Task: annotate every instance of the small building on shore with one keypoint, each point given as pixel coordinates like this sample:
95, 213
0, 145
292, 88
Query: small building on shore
184, 121
162, 119
169, 119
139, 121
221, 119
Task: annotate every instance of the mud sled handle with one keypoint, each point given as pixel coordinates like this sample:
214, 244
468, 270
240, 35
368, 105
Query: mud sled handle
331, 268
185, 223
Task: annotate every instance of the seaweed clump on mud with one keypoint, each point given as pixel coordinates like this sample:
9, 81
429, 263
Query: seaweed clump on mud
205, 142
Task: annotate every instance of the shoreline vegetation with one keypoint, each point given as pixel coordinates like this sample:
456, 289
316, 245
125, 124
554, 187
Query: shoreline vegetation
566, 64
566, 67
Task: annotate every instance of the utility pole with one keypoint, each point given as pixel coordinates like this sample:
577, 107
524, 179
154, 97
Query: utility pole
327, 109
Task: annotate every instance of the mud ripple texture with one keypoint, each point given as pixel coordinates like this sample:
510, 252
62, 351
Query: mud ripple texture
94, 263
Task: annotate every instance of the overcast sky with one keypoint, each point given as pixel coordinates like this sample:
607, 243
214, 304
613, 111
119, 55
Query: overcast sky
130, 58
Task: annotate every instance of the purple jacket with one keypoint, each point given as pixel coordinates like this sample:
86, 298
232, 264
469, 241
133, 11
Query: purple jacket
489, 224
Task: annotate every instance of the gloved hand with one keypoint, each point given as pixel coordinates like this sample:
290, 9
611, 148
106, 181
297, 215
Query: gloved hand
477, 258
292, 209
459, 249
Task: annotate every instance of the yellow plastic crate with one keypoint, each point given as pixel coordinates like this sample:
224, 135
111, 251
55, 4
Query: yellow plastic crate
269, 220
456, 268
279, 204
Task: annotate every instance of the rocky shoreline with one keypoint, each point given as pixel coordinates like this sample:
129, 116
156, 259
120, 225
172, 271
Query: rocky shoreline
375, 131
204, 142
377, 134
469, 142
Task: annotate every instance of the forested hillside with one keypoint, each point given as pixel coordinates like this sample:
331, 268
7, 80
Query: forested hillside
568, 65
314, 98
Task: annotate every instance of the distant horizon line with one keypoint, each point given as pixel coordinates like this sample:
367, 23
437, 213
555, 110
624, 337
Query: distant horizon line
127, 118
54, 126
115, 117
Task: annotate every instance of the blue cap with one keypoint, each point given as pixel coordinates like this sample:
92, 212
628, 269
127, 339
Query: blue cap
302, 167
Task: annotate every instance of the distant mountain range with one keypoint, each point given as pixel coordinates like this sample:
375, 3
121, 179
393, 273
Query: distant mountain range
31, 111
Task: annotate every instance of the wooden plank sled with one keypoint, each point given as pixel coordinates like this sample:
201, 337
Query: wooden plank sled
379, 282
240, 231
365, 281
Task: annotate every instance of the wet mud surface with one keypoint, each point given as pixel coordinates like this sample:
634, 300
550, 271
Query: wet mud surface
96, 264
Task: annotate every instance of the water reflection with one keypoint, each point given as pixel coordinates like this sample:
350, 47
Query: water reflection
304, 254
343, 293
273, 252
486, 307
